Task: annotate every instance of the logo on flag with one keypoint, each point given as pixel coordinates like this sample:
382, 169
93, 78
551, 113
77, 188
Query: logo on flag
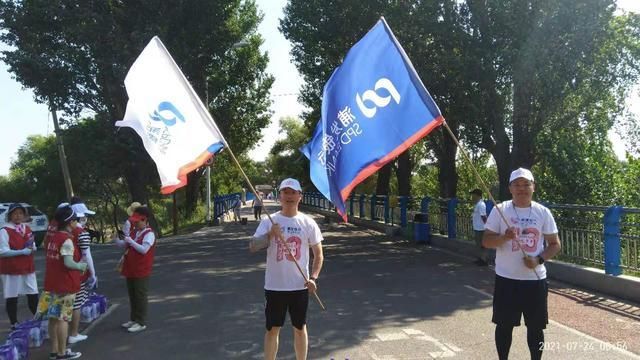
176, 129
166, 108
374, 107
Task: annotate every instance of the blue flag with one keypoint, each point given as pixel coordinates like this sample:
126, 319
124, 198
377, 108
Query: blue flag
374, 107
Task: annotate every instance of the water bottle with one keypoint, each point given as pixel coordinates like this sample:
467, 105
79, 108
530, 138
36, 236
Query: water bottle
35, 336
44, 329
85, 314
95, 313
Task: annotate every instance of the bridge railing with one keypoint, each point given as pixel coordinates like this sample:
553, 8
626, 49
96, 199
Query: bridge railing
605, 237
223, 203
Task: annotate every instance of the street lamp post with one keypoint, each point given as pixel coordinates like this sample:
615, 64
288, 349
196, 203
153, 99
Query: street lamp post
239, 44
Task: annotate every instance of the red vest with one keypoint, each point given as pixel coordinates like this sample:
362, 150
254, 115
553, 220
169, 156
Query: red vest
137, 265
21, 264
52, 229
58, 278
77, 253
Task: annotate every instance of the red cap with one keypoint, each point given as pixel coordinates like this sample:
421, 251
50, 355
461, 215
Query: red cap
135, 217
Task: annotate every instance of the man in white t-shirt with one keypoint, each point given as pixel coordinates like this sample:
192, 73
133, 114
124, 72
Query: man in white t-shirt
478, 218
286, 290
521, 279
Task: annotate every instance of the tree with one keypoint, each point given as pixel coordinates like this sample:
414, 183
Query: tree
75, 55
537, 55
285, 160
502, 71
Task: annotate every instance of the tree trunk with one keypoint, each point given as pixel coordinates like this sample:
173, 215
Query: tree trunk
192, 191
403, 174
448, 175
384, 177
522, 154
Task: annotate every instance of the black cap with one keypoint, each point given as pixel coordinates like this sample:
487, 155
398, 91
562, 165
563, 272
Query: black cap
13, 207
476, 192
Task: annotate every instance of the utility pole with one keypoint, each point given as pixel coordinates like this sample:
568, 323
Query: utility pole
63, 157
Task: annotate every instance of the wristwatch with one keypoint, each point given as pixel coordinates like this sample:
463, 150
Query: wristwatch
540, 260
315, 280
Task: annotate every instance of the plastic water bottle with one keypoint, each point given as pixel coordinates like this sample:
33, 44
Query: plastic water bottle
85, 314
44, 329
35, 336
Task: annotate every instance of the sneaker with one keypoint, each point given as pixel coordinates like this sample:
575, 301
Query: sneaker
136, 328
69, 355
128, 324
53, 356
77, 338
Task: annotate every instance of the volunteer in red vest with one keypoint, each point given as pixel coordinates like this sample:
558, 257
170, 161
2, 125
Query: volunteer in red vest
82, 242
17, 270
136, 268
61, 283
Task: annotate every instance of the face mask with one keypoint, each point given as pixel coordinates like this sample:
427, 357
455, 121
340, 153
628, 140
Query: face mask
83, 221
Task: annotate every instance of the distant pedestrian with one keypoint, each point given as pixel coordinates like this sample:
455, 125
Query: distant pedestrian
61, 283
257, 206
126, 227
140, 247
478, 218
236, 204
521, 280
17, 268
285, 288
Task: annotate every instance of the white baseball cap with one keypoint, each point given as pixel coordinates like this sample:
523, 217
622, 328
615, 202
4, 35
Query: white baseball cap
291, 184
520, 173
81, 210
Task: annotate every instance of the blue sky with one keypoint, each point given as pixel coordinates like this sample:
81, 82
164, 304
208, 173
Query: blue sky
22, 117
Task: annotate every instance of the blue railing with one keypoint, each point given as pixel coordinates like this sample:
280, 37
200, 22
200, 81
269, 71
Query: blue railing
223, 203
605, 237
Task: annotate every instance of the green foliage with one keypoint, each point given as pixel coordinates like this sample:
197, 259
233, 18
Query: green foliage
509, 76
35, 175
74, 55
425, 179
285, 159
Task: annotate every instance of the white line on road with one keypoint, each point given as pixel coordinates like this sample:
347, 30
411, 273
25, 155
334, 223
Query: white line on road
97, 321
603, 344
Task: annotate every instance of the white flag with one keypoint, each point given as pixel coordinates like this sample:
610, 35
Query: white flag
176, 129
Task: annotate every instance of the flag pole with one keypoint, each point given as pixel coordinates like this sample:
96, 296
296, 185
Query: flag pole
483, 185
204, 111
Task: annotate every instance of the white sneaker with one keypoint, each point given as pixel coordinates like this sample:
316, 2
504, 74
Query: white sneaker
128, 324
136, 328
77, 338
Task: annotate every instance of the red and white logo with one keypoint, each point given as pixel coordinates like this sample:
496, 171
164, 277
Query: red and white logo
295, 244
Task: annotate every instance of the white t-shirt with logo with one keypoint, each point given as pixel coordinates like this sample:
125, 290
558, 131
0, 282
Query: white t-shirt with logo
300, 233
531, 224
479, 210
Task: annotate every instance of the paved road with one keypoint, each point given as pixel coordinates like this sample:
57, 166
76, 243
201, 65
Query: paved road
386, 299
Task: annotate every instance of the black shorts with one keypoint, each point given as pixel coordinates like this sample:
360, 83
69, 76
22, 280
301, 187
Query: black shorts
513, 299
277, 304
